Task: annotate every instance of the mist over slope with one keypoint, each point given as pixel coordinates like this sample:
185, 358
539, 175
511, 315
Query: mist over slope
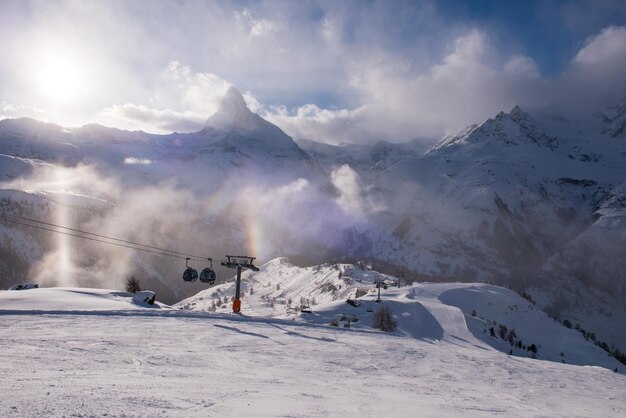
533, 201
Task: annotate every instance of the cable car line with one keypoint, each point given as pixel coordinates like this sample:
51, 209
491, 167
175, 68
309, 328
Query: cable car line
189, 275
169, 254
182, 254
113, 239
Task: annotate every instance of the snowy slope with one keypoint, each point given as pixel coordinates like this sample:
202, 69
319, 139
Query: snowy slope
72, 351
165, 365
55, 299
457, 313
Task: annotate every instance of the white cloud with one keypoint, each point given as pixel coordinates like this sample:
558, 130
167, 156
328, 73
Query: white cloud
329, 30
139, 117
182, 101
139, 161
523, 66
353, 197
256, 28
609, 45
331, 71
196, 92
460, 90
253, 104
596, 74
467, 86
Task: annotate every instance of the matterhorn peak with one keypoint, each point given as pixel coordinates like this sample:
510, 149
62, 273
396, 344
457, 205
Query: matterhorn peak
234, 117
233, 101
233, 114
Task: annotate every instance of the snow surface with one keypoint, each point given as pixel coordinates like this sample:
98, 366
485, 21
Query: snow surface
69, 299
171, 364
88, 352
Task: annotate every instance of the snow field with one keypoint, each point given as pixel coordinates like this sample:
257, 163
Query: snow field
164, 365
93, 352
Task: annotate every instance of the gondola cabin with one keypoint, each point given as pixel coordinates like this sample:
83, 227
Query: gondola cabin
190, 275
207, 276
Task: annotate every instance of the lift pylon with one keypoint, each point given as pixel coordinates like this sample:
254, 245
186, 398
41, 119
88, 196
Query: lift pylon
239, 262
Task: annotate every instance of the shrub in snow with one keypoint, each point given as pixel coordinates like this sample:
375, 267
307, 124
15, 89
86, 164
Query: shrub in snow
511, 337
384, 320
334, 323
502, 331
132, 285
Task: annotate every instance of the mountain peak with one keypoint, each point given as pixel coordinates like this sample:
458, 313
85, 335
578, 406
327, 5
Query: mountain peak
235, 122
233, 114
518, 115
233, 102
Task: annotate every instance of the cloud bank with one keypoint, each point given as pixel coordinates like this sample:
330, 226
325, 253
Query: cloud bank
470, 84
329, 71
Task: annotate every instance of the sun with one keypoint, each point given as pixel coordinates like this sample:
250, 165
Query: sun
61, 78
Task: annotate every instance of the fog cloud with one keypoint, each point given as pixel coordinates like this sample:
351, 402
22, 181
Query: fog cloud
266, 218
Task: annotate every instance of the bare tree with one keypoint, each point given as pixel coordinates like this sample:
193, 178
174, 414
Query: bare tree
384, 320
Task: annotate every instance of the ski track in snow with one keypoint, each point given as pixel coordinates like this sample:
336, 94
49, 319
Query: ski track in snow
180, 365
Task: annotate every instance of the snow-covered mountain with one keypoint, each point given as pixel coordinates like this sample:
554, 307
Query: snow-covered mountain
472, 314
530, 200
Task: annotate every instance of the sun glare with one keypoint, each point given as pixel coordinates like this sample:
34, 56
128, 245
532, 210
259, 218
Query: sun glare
61, 78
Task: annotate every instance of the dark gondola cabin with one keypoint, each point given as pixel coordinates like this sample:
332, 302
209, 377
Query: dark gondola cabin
207, 276
190, 275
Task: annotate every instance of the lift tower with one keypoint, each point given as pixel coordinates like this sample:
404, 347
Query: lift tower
239, 262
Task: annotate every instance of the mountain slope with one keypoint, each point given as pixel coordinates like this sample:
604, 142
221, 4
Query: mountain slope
457, 313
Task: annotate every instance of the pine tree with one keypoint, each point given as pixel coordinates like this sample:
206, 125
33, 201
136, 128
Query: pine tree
132, 285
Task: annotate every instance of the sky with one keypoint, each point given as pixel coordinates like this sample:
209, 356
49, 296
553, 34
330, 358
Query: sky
332, 71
